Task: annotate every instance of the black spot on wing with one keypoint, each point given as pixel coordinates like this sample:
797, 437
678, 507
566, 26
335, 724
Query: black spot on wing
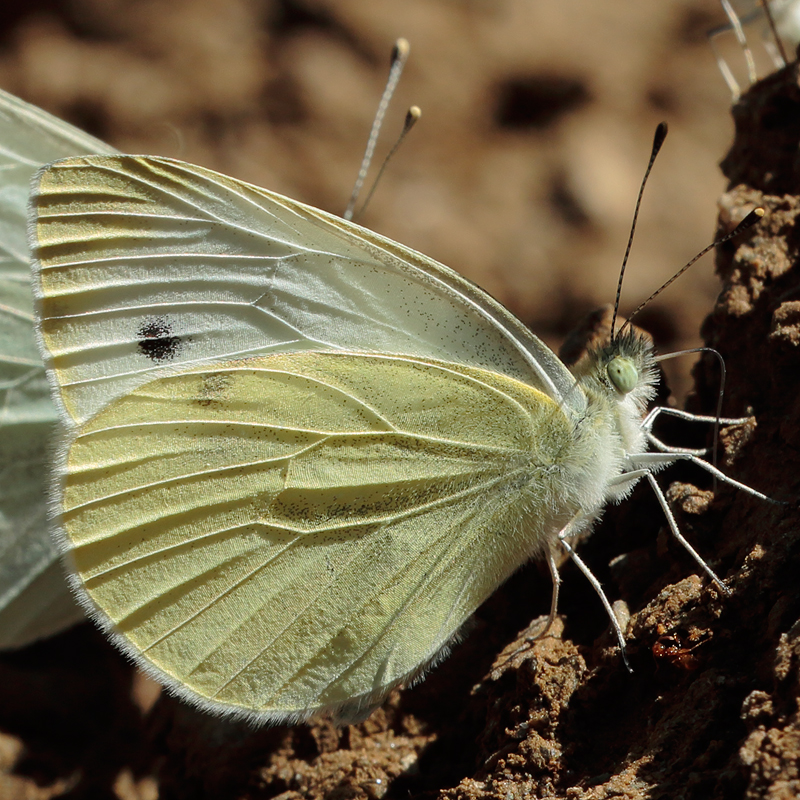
156, 341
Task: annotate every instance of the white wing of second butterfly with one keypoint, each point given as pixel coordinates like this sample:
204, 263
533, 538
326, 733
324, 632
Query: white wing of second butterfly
34, 598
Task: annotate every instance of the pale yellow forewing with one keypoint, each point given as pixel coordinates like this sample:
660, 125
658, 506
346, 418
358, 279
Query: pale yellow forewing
145, 263
301, 532
34, 599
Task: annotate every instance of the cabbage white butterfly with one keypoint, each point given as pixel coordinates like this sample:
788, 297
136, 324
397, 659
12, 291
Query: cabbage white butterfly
299, 455
34, 598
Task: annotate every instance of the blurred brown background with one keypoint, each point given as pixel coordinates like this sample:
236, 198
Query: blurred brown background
537, 121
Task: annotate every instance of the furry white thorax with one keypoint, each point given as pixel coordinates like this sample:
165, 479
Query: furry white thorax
613, 416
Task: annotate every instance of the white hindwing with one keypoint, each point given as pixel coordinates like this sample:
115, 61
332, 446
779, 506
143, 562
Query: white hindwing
34, 599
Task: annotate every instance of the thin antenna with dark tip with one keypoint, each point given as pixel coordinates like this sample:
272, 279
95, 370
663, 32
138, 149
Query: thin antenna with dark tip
658, 140
751, 219
412, 116
399, 58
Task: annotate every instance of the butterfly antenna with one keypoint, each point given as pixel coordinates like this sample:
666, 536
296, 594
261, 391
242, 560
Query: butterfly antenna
658, 140
412, 116
751, 219
399, 58
773, 29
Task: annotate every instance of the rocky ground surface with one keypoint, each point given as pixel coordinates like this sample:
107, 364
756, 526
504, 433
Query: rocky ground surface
537, 121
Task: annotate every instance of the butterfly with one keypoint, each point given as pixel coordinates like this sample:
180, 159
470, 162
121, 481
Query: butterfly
299, 455
34, 598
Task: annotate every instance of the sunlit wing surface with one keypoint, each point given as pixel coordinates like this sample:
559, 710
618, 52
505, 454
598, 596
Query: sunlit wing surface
34, 599
299, 455
149, 264
304, 531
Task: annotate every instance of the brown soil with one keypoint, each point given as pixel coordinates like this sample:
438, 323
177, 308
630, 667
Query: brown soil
537, 119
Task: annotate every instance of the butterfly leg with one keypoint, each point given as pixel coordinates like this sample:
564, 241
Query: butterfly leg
655, 461
655, 442
736, 27
568, 530
673, 526
724, 69
773, 51
646, 462
556, 578
666, 448
551, 617
648, 421
582, 566
770, 36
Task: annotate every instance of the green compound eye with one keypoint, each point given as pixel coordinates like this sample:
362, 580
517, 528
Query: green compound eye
623, 374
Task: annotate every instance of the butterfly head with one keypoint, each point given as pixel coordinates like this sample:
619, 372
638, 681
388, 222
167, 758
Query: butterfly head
623, 370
